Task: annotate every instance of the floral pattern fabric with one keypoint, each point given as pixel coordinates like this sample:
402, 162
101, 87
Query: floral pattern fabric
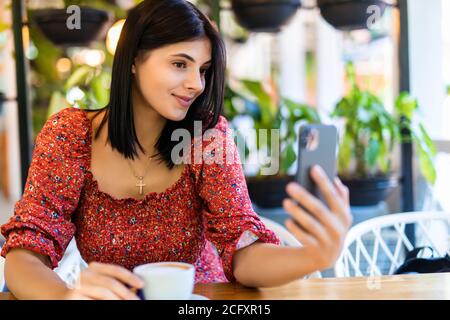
200, 219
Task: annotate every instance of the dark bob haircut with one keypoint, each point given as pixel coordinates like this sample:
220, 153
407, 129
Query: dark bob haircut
150, 25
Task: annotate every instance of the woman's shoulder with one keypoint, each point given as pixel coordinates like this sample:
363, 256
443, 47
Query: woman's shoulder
67, 118
215, 143
218, 130
69, 127
222, 124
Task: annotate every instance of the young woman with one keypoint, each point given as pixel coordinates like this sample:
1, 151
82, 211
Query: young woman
109, 179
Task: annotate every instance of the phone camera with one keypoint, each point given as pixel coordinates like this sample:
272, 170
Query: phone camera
309, 139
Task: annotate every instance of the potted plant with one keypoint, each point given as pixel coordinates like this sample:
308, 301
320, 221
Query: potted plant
369, 136
94, 23
87, 88
406, 107
264, 15
269, 112
349, 14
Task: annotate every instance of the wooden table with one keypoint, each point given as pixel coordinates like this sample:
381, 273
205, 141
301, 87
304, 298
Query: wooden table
418, 286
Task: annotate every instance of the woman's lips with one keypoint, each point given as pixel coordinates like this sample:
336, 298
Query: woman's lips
183, 101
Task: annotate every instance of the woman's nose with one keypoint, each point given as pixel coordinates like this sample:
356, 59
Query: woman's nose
195, 82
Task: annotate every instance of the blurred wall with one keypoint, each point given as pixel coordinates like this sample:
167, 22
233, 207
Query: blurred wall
8, 86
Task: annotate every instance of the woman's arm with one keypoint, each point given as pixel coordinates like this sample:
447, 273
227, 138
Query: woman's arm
29, 276
267, 265
322, 233
40, 229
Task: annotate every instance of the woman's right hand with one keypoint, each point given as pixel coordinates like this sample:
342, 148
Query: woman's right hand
102, 281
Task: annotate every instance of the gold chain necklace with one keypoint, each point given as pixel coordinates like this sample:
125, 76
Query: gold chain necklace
140, 183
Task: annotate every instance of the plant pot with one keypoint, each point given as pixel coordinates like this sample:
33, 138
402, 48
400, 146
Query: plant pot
264, 15
348, 14
268, 192
94, 24
371, 191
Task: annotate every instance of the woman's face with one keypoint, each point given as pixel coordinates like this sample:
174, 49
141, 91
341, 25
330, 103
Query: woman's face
170, 78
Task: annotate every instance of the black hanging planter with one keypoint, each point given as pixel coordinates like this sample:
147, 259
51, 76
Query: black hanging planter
349, 14
371, 191
53, 24
264, 15
268, 192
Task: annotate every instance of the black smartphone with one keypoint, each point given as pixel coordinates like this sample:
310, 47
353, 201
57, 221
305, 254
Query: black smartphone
317, 145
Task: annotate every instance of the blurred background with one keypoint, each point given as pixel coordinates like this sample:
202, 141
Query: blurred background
378, 70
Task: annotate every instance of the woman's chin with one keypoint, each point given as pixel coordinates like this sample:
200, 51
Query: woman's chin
176, 115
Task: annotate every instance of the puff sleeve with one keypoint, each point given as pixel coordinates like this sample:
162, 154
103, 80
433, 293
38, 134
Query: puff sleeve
42, 217
220, 182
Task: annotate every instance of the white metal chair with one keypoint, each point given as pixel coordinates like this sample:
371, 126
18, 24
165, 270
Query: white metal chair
68, 268
377, 246
286, 238
71, 264
2, 273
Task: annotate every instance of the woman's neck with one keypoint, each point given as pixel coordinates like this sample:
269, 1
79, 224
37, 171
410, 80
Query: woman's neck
147, 122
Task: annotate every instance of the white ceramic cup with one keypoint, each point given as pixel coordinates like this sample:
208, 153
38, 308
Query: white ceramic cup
167, 280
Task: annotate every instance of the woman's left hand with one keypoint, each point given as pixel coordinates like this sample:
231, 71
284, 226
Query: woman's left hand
320, 227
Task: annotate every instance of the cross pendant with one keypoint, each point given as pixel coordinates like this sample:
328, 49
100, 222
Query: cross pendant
141, 185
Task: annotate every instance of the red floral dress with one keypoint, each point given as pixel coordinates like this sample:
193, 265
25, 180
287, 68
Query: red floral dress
199, 219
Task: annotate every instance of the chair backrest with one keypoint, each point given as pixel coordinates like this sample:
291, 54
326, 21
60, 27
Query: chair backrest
377, 246
282, 233
2, 273
68, 269
71, 264
287, 239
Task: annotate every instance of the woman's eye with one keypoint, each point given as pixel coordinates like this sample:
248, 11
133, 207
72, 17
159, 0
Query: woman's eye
182, 65
179, 64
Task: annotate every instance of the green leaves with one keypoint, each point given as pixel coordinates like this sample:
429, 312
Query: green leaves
382, 159
406, 105
268, 113
57, 102
426, 164
78, 77
288, 157
264, 101
351, 75
427, 141
346, 152
298, 111
371, 133
93, 82
373, 151
100, 88
426, 151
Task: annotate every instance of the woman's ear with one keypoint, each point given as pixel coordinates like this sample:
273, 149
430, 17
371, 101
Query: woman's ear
133, 69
